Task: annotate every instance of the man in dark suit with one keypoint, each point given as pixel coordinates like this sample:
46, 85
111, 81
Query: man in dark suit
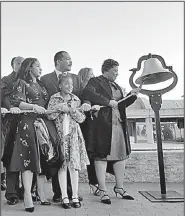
63, 64
7, 83
12, 178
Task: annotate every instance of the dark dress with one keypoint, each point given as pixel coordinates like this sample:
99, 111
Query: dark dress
99, 134
26, 153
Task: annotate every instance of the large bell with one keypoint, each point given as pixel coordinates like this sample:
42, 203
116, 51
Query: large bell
153, 73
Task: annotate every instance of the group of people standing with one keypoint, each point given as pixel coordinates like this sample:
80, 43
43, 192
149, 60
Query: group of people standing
57, 124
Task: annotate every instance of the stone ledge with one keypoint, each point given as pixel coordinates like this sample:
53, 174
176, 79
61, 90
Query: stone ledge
142, 166
155, 150
153, 147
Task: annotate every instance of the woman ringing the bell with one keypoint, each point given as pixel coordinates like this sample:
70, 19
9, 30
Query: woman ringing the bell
108, 140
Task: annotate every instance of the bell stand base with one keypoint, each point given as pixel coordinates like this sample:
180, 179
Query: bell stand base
156, 196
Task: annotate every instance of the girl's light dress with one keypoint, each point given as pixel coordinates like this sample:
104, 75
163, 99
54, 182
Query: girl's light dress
72, 143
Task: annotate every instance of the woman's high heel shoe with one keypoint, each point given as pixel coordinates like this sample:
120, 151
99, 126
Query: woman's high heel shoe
28, 203
38, 199
45, 203
95, 189
35, 197
76, 204
103, 196
122, 193
30, 209
65, 205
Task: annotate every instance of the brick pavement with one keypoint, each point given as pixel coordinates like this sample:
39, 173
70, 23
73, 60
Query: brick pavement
91, 206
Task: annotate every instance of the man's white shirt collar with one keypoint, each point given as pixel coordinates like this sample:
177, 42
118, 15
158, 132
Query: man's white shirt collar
58, 72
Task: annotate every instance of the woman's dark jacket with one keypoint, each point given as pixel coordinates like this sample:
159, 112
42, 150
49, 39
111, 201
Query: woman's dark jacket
99, 130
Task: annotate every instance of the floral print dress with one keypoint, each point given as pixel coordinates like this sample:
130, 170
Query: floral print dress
26, 153
72, 144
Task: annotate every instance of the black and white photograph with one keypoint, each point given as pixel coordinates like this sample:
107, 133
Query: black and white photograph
92, 108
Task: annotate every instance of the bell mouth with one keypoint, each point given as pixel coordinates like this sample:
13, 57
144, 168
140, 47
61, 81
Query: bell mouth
154, 78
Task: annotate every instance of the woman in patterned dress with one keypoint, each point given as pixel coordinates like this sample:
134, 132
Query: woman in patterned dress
28, 94
67, 117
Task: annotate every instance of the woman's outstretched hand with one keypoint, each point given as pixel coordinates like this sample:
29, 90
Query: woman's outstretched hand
15, 110
113, 104
135, 91
63, 108
95, 108
3, 110
39, 109
85, 107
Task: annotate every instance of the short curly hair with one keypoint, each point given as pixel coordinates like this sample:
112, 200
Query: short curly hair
64, 77
108, 64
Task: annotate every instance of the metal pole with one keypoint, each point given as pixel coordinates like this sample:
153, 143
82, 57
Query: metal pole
156, 101
160, 153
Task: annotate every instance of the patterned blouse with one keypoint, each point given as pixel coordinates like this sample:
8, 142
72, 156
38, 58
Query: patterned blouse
32, 93
72, 145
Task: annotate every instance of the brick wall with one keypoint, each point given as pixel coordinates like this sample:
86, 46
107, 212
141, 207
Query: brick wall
142, 166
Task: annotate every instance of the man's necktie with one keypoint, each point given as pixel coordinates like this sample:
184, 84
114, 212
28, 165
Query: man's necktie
62, 75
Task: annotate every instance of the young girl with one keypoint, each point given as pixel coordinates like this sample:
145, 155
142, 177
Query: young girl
65, 111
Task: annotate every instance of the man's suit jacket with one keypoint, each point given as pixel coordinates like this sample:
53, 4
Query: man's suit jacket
6, 88
50, 82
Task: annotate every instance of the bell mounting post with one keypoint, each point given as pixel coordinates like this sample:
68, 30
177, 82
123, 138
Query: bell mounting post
155, 71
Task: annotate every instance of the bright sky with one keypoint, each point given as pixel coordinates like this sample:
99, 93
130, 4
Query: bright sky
93, 32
